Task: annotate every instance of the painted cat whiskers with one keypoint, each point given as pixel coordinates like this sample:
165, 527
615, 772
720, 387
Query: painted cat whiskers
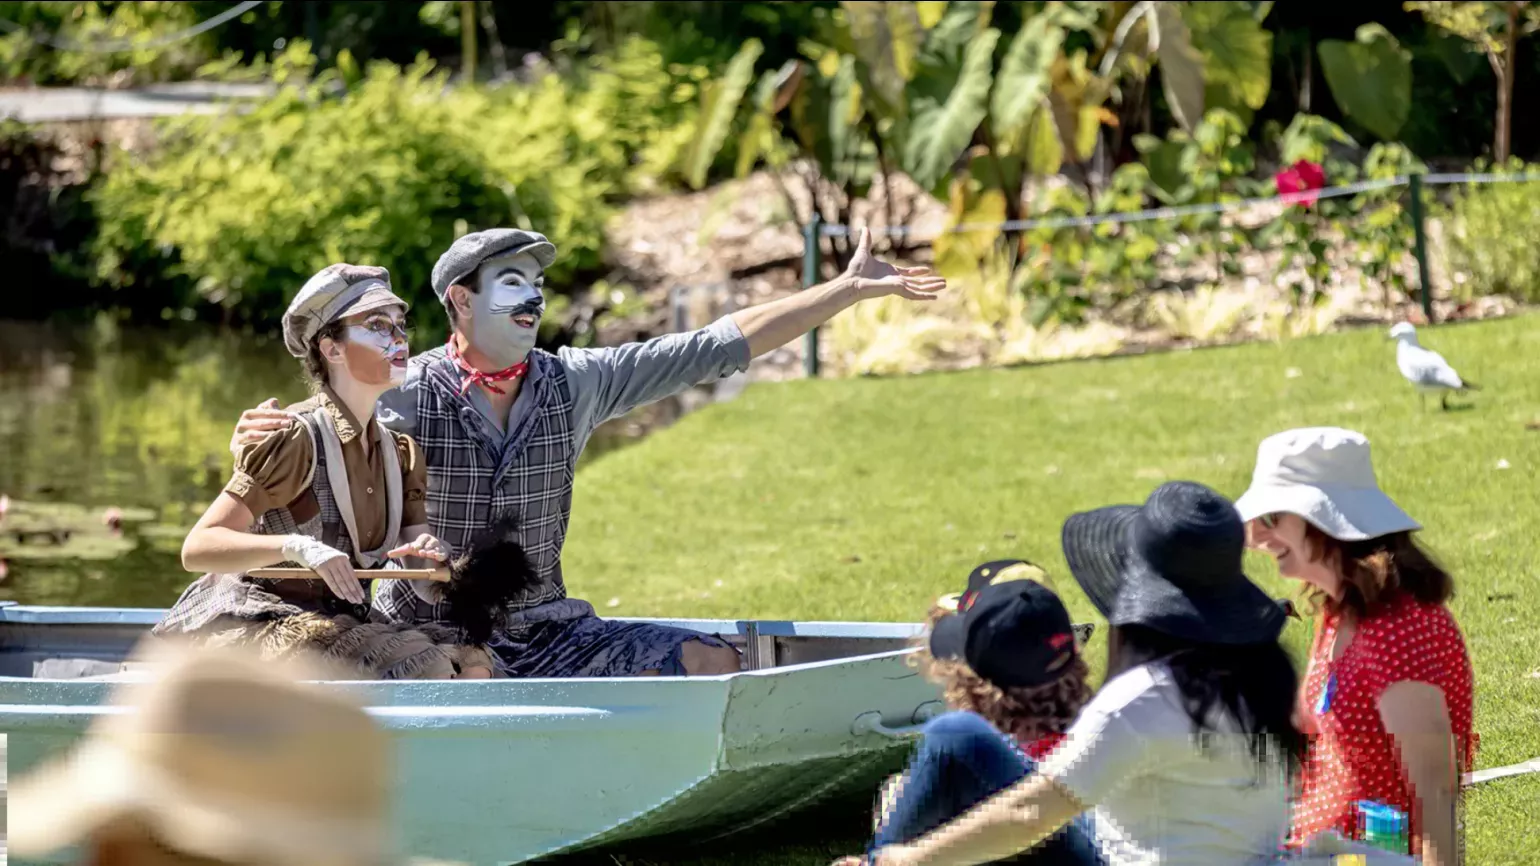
506, 309
386, 336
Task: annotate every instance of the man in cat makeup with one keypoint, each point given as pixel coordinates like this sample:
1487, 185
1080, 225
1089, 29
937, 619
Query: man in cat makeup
501, 425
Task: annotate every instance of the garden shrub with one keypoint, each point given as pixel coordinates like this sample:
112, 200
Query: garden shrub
244, 207
241, 208
1486, 231
26, 58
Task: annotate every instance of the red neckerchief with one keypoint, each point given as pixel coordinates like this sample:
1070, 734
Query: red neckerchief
487, 380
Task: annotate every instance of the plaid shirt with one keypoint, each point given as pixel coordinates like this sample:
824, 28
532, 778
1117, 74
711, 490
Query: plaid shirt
470, 483
215, 596
476, 470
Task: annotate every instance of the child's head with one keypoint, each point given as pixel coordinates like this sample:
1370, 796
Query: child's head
1005, 649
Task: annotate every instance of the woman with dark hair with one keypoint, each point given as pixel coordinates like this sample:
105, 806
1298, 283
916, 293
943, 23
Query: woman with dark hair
1186, 753
1004, 653
1388, 696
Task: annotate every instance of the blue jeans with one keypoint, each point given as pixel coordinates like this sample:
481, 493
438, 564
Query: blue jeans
962, 760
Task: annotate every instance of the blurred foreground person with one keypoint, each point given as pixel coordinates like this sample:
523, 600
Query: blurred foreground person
222, 758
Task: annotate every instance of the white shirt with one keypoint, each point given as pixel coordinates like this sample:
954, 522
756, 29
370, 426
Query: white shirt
1158, 799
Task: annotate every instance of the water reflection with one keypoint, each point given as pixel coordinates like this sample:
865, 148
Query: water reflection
136, 420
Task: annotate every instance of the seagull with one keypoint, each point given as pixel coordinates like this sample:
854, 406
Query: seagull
1425, 368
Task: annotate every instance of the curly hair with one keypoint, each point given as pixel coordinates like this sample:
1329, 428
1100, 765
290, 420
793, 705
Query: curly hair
1375, 569
1025, 713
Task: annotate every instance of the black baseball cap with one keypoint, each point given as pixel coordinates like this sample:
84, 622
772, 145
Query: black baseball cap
1008, 626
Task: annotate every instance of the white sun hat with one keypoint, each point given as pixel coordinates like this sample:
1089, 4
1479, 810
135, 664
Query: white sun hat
1324, 475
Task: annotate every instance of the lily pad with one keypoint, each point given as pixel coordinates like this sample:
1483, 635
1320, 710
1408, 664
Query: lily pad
30, 517
92, 546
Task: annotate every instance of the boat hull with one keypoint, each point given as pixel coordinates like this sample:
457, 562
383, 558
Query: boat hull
505, 771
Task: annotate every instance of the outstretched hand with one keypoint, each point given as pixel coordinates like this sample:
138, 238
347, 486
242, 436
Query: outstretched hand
874, 278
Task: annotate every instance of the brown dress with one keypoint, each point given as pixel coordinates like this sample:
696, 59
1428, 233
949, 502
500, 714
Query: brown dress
289, 480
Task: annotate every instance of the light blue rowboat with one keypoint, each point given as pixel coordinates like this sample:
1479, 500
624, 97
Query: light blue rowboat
504, 771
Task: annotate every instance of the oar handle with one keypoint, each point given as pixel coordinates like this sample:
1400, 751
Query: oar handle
440, 575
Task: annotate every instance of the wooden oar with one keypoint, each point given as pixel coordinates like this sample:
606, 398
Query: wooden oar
437, 574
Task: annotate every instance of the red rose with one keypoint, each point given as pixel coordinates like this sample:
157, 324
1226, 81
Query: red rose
1301, 177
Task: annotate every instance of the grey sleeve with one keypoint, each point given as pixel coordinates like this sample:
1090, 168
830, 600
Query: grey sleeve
610, 382
397, 408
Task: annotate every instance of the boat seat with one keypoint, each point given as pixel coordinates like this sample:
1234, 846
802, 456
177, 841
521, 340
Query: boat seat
94, 670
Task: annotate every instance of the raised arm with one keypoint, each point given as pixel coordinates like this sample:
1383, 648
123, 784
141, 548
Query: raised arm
1101, 750
772, 325
995, 830
610, 382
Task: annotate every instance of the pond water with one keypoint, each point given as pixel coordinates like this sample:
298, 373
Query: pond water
113, 440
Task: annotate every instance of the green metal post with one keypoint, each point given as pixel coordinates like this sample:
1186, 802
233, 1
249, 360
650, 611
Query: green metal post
810, 261
1420, 235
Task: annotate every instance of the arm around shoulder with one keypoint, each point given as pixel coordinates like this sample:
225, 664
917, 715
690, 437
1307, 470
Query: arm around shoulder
274, 470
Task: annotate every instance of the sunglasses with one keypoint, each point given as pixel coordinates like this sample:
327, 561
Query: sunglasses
1270, 520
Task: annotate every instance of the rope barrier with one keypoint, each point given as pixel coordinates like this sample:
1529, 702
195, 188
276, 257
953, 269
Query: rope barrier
115, 46
1445, 179
816, 228
1467, 177
1524, 769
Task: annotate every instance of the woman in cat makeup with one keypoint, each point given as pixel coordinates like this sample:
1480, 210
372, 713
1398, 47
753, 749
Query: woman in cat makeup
336, 493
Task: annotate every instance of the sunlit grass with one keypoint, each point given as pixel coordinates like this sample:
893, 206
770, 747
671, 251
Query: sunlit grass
863, 499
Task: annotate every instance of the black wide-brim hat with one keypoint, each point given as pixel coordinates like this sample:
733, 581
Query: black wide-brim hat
1172, 565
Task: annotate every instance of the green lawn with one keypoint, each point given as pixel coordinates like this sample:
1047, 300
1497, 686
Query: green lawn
863, 499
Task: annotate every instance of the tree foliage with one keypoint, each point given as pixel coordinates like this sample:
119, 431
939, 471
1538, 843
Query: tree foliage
1371, 79
973, 102
242, 208
27, 55
1484, 24
1495, 28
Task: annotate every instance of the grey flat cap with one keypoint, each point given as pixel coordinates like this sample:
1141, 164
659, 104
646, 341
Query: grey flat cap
467, 254
336, 291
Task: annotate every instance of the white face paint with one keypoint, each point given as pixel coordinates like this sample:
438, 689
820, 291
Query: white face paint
506, 308
384, 335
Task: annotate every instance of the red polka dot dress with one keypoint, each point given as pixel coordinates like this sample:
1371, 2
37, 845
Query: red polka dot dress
1351, 756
